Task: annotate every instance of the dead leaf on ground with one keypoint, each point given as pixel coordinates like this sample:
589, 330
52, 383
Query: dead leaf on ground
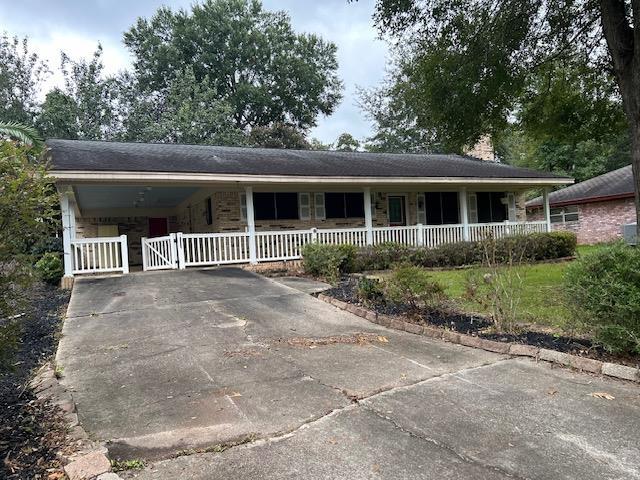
605, 395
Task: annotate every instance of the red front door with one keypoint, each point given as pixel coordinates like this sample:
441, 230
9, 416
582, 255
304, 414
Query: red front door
158, 227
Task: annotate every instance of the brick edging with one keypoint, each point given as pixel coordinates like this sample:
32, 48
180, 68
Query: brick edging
90, 457
517, 349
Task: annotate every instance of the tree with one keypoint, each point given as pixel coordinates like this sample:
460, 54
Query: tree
278, 135
58, 116
86, 109
253, 58
472, 58
21, 76
24, 134
186, 111
347, 143
394, 120
27, 212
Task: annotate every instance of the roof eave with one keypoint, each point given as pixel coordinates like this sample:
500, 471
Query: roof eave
580, 201
88, 176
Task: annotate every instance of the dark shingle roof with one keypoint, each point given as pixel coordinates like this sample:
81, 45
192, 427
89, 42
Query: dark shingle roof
151, 157
613, 184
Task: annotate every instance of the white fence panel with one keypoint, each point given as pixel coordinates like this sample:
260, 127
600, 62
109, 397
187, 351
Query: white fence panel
202, 249
100, 255
479, 231
159, 253
434, 235
282, 245
337, 236
402, 235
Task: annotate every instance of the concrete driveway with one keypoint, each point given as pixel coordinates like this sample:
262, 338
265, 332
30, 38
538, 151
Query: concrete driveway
222, 373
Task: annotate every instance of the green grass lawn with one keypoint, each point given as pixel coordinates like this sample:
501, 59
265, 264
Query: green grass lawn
541, 298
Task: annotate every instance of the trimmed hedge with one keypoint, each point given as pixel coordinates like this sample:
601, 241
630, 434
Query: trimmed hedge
528, 248
330, 261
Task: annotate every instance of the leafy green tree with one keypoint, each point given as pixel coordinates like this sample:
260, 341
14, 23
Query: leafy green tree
252, 57
472, 59
27, 212
86, 109
21, 75
347, 143
394, 120
278, 135
186, 111
316, 144
58, 116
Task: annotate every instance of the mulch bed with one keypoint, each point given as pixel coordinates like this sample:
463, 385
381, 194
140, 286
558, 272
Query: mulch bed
478, 325
32, 431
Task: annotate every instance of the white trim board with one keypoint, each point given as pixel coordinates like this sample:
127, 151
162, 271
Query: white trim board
70, 176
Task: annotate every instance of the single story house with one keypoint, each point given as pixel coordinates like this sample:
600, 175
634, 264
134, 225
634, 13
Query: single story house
595, 209
175, 206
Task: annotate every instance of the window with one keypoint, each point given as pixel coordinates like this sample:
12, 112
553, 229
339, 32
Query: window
564, 214
441, 208
344, 205
304, 203
209, 212
491, 207
275, 206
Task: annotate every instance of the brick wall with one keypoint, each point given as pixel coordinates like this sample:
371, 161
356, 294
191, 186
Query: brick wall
133, 227
226, 215
597, 221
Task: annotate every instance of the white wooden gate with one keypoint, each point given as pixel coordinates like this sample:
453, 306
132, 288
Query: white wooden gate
159, 253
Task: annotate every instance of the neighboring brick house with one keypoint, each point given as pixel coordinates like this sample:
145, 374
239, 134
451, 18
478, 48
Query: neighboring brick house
595, 209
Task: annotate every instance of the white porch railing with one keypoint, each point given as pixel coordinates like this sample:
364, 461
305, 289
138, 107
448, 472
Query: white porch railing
204, 249
337, 236
100, 255
478, 231
282, 245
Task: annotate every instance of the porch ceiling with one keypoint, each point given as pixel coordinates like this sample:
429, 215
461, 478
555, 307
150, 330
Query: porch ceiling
97, 197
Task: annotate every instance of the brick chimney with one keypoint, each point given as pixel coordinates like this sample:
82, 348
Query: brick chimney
483, 149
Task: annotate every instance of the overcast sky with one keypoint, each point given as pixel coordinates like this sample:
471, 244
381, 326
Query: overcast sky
76, 26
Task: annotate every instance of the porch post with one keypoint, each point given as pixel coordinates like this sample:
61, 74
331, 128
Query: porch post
67, 234
547, 210
464, 214
368, 220
251, 226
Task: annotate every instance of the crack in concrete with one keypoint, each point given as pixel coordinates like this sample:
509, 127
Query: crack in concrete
443, 446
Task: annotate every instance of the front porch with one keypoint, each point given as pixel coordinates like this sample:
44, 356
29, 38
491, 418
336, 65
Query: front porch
108, 227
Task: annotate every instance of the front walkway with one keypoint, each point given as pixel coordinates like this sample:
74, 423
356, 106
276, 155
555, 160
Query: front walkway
160, 363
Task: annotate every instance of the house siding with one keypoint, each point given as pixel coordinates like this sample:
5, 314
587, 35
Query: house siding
597, 221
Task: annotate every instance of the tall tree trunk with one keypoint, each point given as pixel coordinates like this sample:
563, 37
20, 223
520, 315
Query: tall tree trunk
622, 33
635, 166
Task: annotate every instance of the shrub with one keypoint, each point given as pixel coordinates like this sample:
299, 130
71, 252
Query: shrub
531, 247
498, 286
380, 257
328, 261
50, 268
370, 290
603, 288
47, 244
414, 287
